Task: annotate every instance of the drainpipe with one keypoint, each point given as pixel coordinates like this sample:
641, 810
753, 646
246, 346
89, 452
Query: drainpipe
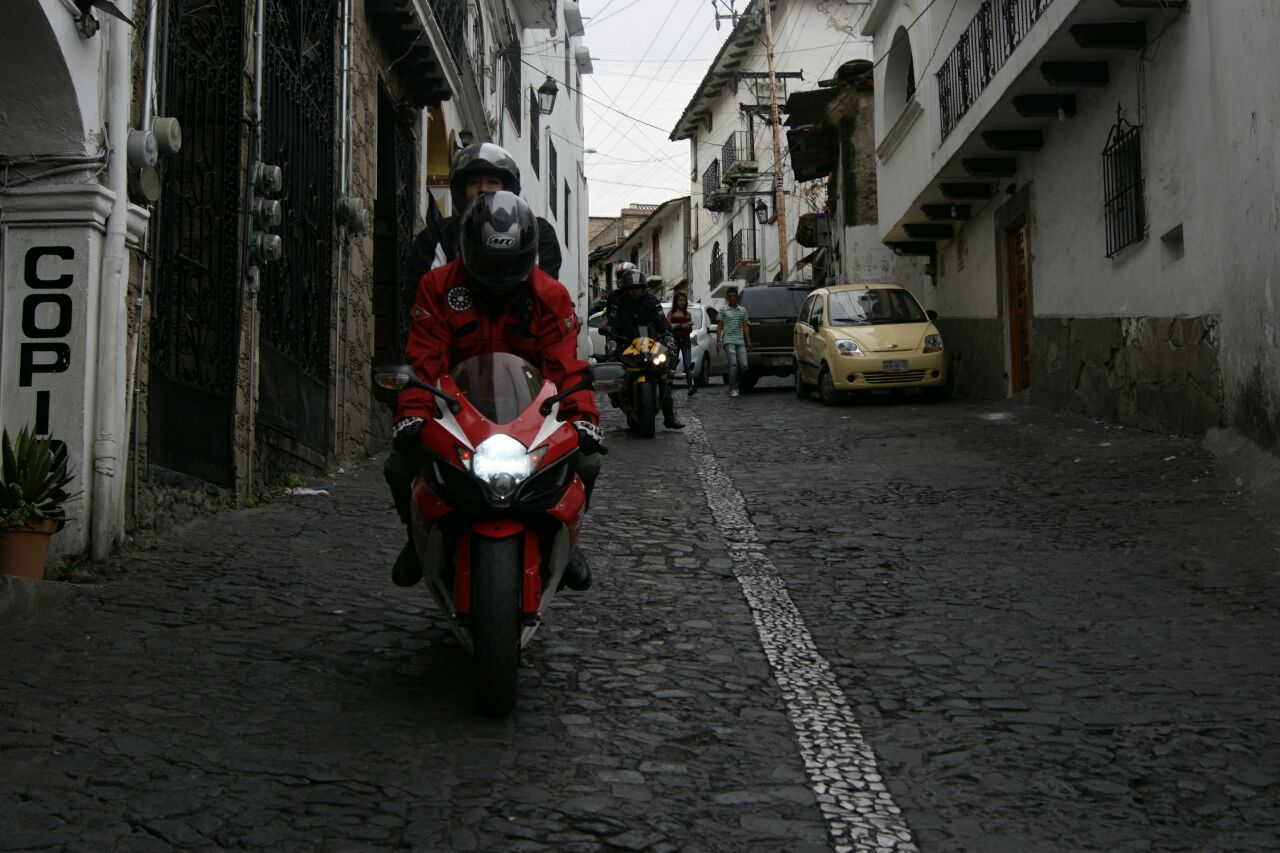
254, 274
107, 493
343, 271
148, 85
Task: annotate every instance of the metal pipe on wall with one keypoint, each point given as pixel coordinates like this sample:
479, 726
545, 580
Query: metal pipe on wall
344, 260
254, 274
106, 518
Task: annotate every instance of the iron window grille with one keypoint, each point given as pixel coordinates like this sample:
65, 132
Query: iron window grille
984, 46
742, 247
553, 169
738, 153
1126, 215
511, 83
451, 16
535, 132
717, 266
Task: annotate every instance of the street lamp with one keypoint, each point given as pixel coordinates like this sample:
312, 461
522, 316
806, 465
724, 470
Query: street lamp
547, 96
465, 137
762, 211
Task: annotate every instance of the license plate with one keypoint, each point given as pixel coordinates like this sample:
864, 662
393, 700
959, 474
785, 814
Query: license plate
895, 365
778, 360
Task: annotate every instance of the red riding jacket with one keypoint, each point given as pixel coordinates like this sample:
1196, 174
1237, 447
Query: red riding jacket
446, 328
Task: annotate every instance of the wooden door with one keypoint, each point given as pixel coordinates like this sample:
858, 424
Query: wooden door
1018, 302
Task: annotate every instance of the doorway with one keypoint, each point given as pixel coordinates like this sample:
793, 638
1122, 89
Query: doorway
1018, 303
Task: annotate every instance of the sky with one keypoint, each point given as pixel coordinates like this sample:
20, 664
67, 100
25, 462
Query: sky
649, 57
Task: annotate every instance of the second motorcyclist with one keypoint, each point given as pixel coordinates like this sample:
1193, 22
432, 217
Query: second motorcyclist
630, 308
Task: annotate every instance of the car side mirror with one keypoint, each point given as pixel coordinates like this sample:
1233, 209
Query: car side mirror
608, 377
603, 331
933, 315
712, 314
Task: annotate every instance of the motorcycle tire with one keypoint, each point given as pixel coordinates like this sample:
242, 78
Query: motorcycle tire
495, 621
648, 408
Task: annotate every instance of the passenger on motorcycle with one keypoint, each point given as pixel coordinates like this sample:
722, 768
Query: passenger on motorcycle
492, 298
630, 307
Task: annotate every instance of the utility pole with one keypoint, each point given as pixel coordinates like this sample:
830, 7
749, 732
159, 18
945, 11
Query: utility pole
779, 206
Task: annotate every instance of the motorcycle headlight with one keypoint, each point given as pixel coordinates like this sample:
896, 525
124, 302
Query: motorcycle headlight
660, 358
503, 463
848, 348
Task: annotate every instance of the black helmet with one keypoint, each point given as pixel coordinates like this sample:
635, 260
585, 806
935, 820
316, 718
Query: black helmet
482, 158
498, 242
629, 277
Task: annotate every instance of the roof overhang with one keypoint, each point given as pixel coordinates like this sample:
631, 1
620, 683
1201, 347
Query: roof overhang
722, 73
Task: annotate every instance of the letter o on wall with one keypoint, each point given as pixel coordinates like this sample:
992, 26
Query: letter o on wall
31, 324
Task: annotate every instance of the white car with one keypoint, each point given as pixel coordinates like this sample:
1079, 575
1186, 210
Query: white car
707, 357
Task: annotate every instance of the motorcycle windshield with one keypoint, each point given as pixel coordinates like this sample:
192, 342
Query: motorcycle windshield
500, 385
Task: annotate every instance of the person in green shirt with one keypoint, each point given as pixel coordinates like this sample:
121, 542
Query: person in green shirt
733, 332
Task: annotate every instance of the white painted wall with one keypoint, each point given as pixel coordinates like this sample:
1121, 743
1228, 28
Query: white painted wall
671, 267
811, 37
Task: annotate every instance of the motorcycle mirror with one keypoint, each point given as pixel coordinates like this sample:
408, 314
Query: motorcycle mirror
609, 377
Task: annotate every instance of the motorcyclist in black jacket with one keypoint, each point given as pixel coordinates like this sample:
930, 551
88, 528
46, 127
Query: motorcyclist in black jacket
629, 307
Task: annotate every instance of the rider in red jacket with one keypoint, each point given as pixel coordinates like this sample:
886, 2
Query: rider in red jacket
491, 298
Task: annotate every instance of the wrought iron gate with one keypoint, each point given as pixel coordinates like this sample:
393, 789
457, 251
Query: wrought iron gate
298, 126
195, 299
394, 218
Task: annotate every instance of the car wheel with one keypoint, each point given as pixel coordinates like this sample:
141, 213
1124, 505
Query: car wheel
802, 389
827, 392
704, 372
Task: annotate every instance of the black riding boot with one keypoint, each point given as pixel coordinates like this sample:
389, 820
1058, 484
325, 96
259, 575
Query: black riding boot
577, 573
407, 570
669, 415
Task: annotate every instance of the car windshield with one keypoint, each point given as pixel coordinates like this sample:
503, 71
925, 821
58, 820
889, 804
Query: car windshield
873, 307
500, 385
772, 303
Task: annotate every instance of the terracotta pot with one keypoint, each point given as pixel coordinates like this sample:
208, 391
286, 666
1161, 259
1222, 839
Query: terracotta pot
23, 550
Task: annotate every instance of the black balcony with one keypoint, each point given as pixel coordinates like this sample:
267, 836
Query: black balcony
744, 260
988, 41
716, 275
738, 156
714, 194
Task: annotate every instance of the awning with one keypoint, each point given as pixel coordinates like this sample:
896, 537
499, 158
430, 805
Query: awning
813, 152
808, 107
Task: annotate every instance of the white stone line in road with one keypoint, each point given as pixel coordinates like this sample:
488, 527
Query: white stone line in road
856, 804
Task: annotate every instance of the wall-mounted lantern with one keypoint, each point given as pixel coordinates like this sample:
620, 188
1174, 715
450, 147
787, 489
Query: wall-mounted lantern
762, 211
547, 96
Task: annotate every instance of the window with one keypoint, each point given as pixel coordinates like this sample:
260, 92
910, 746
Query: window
1122, 179
773, 303
568, 55
568, 213
807, 310
899, 75
552, 170
535, 132
511, 82
874, 307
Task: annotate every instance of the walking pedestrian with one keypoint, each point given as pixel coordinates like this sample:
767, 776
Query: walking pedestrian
682, 330
733, 332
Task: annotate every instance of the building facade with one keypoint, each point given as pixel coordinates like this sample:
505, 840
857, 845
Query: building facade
659, 247
1095, 183
734, 227
206, 247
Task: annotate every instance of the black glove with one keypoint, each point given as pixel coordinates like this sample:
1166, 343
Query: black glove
406, 437
590, 437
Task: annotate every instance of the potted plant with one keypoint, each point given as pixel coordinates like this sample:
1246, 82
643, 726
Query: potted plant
33, 481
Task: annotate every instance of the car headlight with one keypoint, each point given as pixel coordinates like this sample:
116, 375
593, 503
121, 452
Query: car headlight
848, 348
933, 343
503, 463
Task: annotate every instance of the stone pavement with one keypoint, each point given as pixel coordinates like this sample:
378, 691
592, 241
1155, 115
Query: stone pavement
1052, 635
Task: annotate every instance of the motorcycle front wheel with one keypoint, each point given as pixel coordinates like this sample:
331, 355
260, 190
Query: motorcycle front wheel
495, 621
648, 407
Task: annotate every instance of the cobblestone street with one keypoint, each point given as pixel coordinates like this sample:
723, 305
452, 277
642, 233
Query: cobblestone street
879, 626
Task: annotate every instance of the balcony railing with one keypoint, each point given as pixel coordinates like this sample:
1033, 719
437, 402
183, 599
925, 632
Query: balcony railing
742, 247
738, 155
713, 191
717, 270
984, 46
451, 17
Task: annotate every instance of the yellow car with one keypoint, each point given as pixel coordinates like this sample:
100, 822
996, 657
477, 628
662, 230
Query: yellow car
864, 337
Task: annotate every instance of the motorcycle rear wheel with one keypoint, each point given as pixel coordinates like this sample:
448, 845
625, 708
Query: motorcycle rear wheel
495, 622
648, 408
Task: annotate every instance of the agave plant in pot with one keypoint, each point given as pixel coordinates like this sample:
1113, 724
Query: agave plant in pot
33, 495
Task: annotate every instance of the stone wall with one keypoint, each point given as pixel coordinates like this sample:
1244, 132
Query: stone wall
1157, 373
976, 350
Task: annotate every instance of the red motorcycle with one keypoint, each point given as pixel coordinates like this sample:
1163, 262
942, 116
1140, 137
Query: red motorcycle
497, 507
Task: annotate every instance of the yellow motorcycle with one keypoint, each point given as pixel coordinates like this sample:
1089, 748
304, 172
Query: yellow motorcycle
647, 364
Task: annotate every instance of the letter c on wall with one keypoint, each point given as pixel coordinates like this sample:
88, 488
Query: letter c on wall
31, 273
